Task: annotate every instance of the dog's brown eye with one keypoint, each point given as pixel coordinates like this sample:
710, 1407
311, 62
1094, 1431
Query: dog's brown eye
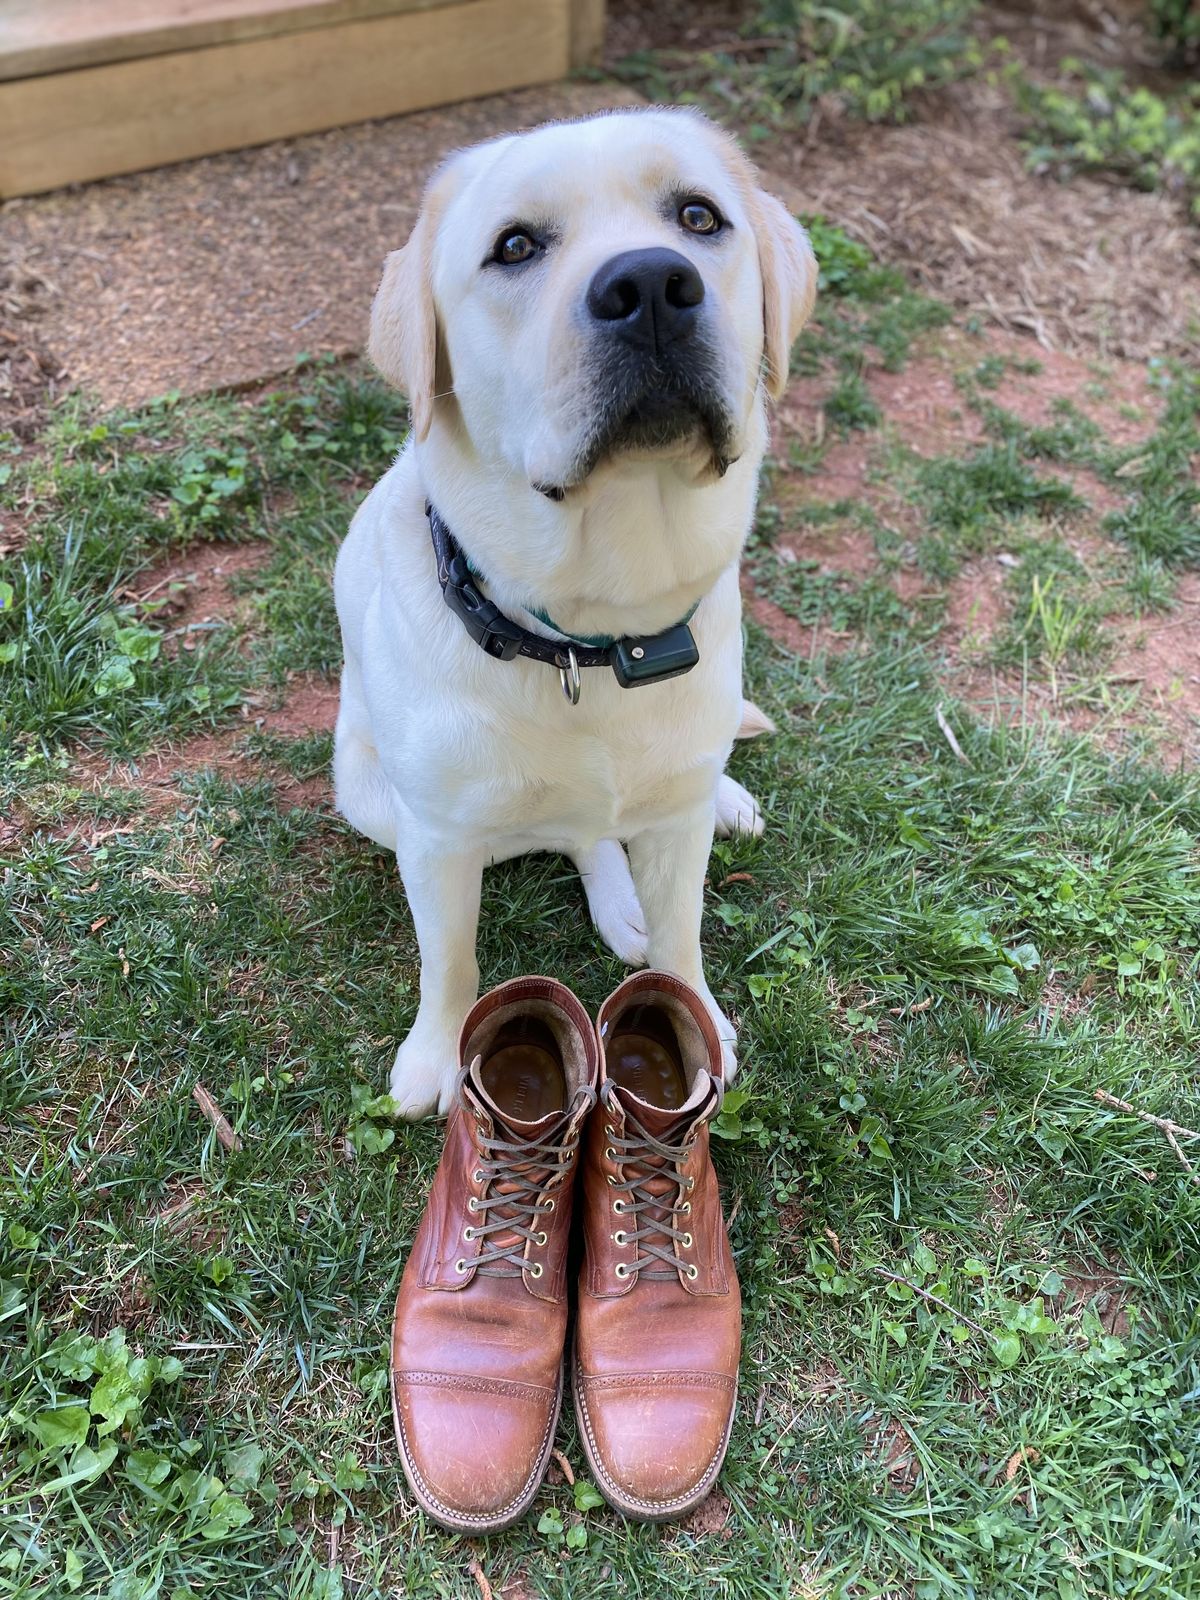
512, 248
697, 216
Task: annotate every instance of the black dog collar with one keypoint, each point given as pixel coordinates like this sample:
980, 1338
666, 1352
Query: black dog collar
652, 659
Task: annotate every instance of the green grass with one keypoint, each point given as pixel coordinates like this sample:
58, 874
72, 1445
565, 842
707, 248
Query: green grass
936, 964
868, 58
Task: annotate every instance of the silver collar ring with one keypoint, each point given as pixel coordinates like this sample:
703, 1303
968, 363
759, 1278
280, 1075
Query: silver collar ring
568, 676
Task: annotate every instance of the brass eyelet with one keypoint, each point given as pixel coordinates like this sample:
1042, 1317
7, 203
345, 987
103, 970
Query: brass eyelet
472, 1204
619, 1207
621, 1270
686, 1241
468, 1234
686, 1208
536, 1270
548, 1204
609, 1153
539, 1238
460, 1266
619, 1236
477, 1176
609, 1179
693, 1271
691, 1184
610, 1131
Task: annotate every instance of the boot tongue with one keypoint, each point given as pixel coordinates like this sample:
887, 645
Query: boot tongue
529, 1176
665, 1122
537, 1131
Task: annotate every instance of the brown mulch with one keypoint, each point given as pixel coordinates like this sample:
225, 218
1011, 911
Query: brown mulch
1087, 265
220, 272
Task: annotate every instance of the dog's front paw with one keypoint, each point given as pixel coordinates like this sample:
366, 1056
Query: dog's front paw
729, 1060
726, 1032
424, 1076
737, 810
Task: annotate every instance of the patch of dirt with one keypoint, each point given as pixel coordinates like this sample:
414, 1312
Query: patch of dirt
220, 272
975, 605
1099, 1284
310, 706
191, 591
30, 376
1161, 657
1081, 266
711, 1518
892, 1448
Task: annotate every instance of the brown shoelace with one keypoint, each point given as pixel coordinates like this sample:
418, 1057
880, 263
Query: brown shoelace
529, 1169
653, 1233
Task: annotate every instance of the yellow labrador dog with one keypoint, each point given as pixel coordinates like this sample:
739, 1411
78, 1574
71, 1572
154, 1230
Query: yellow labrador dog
539, 602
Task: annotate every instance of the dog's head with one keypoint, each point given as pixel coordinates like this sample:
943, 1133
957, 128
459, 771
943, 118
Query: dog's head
594, 290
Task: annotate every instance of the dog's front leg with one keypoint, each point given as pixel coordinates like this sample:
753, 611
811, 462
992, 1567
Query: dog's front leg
669, 863
443, 890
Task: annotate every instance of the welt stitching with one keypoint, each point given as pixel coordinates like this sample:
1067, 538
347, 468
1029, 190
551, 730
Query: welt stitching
633, 1500
475, 1516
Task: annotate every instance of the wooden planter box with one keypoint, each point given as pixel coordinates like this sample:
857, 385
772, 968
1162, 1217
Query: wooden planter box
89, 88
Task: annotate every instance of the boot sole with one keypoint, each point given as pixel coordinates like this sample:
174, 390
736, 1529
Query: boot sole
645, 1510
468, 1521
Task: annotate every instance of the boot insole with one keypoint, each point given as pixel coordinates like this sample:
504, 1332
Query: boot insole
522, 1074
643, 1056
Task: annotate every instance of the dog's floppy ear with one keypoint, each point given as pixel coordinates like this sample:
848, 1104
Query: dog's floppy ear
403, 341
789, 279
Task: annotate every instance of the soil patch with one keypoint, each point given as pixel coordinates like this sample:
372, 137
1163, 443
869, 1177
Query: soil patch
1161, 657
190, 592
309, 707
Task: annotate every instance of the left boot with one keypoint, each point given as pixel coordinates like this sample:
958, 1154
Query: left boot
658, 1332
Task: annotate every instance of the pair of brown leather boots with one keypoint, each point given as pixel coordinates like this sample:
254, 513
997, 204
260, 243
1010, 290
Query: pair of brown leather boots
481, 1317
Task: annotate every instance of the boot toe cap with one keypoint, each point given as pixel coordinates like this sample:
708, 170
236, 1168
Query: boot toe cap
657, 1446
474, 1457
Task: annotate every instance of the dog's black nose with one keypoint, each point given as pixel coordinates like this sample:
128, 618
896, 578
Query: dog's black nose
649, 297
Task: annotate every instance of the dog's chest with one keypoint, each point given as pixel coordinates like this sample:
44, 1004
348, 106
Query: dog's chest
555, 776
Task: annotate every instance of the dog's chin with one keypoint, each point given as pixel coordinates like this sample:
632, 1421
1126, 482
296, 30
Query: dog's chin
695, 436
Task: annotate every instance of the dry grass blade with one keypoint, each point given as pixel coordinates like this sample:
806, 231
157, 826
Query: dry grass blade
221, 1124
485, 1589
948, 734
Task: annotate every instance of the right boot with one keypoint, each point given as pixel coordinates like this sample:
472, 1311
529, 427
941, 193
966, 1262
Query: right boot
480, 1320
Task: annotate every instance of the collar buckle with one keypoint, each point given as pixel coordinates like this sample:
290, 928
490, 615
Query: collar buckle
485, 622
